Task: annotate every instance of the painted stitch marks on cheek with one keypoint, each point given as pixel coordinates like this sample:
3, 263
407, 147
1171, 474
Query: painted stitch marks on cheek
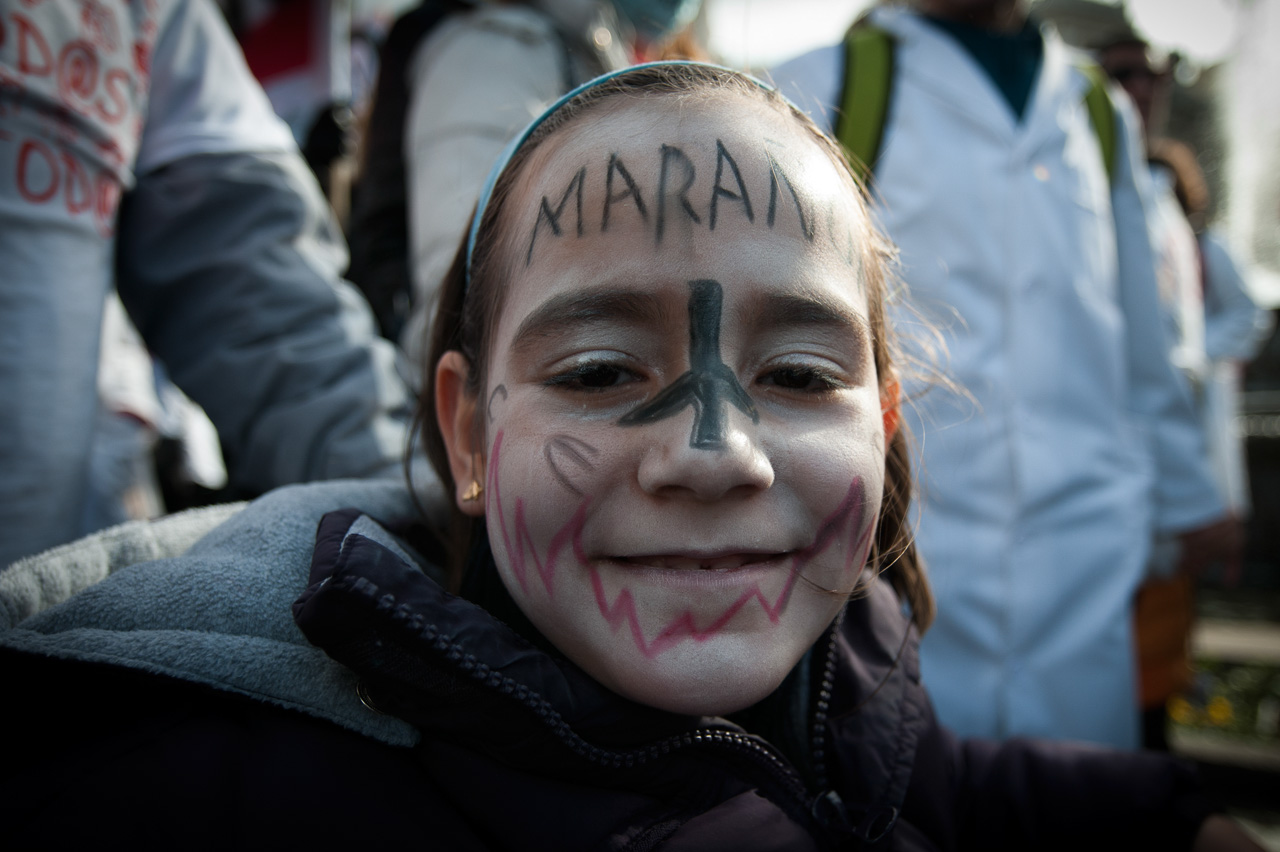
566, 449
850, 525
708, 385
850, 520
522, 550
499, 393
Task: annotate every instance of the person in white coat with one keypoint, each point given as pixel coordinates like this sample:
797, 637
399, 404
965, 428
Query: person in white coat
1236, 328
469, 74
1069, 442
138, 154
1204, 299
1227, 325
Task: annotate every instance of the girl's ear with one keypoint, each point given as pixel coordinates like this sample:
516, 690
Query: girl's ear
890, 391
456, 417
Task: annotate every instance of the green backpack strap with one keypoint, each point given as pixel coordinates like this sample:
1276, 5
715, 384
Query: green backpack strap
864, 106
1102, 114
868, 77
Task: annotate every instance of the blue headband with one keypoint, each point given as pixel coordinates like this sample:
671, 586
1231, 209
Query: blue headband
514, 145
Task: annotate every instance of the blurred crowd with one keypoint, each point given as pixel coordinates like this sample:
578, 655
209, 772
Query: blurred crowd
223, 228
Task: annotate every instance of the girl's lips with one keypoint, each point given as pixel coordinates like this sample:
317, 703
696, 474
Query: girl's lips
710, 562
723, 572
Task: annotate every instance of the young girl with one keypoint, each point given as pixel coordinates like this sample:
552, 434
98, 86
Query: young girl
664, 410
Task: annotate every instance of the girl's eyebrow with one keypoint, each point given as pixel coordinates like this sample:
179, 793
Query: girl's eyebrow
806, 309
572, 310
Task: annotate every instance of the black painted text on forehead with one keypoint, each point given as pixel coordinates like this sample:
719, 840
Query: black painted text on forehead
672, 187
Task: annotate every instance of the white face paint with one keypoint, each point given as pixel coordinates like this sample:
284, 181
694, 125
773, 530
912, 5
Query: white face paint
683, 425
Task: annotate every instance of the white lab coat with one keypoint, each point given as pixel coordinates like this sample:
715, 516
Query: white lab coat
1040, 493
1216, 328
1235, 328
1178, 279
476, 80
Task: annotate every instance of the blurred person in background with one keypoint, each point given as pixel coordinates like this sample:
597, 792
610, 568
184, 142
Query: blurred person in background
457, 80
136, 151
1071, 442
1214, 326
123, 483
300, 51
1234, 325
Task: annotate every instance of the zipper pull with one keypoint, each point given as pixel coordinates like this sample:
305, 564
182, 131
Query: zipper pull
830, 812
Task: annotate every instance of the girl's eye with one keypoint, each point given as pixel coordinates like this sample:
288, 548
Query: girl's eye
804, 379
592, 377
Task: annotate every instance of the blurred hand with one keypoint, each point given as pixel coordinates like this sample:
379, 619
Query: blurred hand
1219, 542
1223, 834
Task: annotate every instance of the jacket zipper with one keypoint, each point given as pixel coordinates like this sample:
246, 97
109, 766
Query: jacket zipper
783, 776
819, 721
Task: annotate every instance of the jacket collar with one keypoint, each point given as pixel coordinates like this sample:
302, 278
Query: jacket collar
447, 666
205, 602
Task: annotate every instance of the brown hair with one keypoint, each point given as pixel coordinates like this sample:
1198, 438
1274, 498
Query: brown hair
467, 312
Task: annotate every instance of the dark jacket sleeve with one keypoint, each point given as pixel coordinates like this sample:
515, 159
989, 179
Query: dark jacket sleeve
168, 765
1031, 794
229, 264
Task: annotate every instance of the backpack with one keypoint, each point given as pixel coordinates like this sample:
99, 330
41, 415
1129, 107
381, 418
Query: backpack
865, 99
378, 233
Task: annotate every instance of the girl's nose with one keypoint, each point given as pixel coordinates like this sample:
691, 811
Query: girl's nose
675, 464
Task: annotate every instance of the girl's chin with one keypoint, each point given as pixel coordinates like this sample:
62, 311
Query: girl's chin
709, 687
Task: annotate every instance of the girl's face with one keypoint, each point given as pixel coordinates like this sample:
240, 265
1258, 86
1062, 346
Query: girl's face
682, 449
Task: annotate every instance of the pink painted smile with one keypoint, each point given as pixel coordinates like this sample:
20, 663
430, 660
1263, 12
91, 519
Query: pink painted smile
702, 569
722, 570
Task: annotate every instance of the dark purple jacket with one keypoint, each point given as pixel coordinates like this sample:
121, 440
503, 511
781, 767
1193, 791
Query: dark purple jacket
521, 750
